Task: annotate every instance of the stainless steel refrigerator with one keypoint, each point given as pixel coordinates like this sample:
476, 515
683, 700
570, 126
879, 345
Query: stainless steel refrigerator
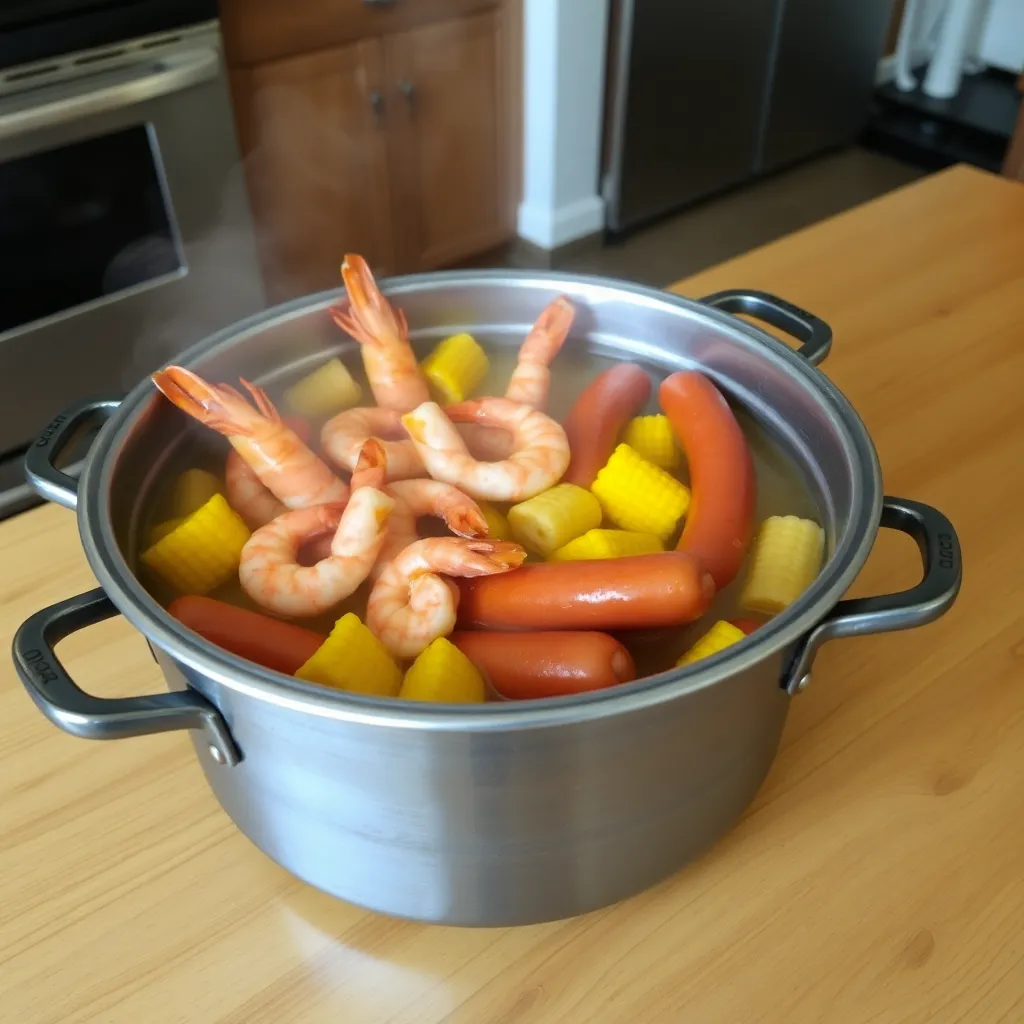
704, 94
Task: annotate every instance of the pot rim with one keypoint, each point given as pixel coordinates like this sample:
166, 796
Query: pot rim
156, 624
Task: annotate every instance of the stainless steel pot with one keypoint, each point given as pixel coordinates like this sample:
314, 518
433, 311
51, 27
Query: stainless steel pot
505, 813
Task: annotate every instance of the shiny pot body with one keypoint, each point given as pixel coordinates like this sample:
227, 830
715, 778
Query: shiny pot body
513, 812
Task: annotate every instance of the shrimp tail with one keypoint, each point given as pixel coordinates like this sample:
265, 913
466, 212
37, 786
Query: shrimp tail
548, 334
496, 556
371, 466
466, 522
217, 406
369, 317
262, 400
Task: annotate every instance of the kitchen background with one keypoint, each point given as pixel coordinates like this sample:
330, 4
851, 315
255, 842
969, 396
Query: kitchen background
169, 166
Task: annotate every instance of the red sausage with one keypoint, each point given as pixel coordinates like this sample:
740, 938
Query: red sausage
268, 642
639, 592
602, 410
525, 666
721, 516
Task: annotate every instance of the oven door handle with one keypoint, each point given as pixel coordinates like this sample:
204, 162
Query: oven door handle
22, 113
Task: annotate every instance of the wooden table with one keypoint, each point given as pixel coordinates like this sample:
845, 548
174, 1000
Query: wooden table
879, 875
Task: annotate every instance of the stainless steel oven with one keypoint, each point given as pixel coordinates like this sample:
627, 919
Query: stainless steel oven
125, 230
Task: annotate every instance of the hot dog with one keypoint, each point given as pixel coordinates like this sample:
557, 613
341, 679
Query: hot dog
720, 520
268, 642
640, 592
598, 417
525, 666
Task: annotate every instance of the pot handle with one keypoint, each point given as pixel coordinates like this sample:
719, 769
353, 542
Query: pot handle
45, 478
101, 718
815, 334
930, 599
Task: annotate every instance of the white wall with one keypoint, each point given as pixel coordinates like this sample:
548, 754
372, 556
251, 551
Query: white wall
564, 64
1002, 41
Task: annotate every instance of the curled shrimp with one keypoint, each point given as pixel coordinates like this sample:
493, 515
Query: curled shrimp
412, 603
344, 435
269, 570
415, 499
383, 335
531, 379
284, 465
540, 448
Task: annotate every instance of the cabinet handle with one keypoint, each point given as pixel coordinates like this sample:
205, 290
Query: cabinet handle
377, 105
408, 90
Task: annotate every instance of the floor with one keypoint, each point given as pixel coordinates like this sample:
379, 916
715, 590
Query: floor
744, 218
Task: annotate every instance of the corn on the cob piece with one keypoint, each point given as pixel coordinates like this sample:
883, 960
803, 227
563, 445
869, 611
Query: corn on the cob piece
353, 659
721, 635
455, 368
636, 495
327, 390
786, 558
554, 517
203, 551
497, 524
607, 544
161, 530
652, 438
193, 489
444, 675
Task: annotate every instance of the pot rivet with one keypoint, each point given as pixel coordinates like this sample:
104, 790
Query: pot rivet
217, 754
804, 683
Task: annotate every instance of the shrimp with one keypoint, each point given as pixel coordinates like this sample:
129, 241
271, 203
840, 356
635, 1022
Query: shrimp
412, 604
284, 465
417, 498
531, 379
382, 332
269, 570
540, 448
343, 437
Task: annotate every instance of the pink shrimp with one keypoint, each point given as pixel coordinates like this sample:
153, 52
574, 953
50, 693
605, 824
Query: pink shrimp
412, 603
343, 437
540, 448
531, 379
269, 570
390, 363
285, 466
415, 499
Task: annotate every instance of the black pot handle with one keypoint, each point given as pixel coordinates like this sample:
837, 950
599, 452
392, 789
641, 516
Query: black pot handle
815, 334
100, 718
44, 477
930, 599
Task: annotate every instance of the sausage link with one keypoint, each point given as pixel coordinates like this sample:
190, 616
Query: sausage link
599, 415
640, 592
720, 520
526, 666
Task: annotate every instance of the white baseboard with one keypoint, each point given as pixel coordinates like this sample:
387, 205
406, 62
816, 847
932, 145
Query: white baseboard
550, 227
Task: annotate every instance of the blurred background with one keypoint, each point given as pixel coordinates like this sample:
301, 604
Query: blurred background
170, 166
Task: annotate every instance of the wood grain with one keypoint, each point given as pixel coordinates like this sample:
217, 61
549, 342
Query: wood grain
878, 877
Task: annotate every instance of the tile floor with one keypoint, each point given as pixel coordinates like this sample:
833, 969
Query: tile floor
746, 217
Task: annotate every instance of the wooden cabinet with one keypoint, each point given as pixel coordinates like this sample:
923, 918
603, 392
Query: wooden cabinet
396, 146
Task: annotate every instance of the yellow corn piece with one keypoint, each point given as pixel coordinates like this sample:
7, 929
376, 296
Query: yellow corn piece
162, 529
554, 517
444, 675
639, 496
193, 489
786, 558
497, 524
455, 368
325, 391
652, 438
353, 659
607, 544
203, 551
721, 635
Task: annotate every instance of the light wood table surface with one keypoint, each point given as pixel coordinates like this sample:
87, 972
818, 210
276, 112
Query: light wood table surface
878, 876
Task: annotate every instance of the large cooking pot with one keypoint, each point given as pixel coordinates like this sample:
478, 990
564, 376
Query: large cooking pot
504, 813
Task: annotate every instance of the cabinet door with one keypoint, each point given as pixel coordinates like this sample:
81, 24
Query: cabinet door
316, 163
445, 89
